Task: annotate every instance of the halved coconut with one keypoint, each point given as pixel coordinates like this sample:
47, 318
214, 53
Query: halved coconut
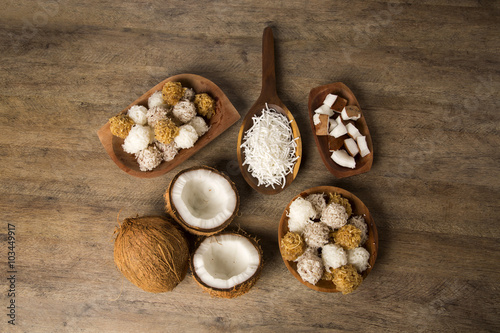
202, 200
227, 265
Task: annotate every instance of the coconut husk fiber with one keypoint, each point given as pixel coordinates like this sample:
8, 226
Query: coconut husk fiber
151, 253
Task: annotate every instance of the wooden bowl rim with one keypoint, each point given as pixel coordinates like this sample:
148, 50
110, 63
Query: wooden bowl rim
371, 244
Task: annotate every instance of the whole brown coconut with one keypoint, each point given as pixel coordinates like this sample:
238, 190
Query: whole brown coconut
151, 252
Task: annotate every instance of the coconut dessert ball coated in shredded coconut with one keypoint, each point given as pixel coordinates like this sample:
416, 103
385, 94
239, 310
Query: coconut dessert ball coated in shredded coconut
346, 279
184, 111
199, 125
205, 105
349, 237
360, 223
358, 257
168, 151
138, 114
300, 214
334, 215
316, 234
292, 246
156, 99
187, 137
338, 199
318, 201
120, 125
149, 158
157, 113
166, 131
310, 267
333, 256
138, 139
172, 93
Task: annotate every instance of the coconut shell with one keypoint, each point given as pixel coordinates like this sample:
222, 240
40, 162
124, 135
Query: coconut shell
151, 252
172, 211
238, 289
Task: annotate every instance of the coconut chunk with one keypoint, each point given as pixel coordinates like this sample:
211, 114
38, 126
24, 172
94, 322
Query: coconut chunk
351, 112
352, 131
324, 109
322, 127
339, 104
329, 100
339, 130
342, 158
351, 147
363, 146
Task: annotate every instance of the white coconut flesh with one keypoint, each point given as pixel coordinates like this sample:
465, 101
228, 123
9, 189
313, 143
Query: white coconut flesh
204, 199
224, 261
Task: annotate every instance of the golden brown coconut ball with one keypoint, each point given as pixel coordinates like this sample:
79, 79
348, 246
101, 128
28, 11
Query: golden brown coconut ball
349, 237
292, 246
166, 131
205, 105
172, 93
120, 125
346, 279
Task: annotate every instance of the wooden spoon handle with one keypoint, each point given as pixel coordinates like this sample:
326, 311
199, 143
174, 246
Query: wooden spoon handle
268, 68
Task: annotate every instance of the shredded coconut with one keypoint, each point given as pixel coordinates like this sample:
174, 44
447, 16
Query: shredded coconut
199, 125
187, 137
138, 114
138, 139
359, 222
149, 158
316, 234
310, 267
333, 256
269, 148
358, 257
334, 215
318, 201
168, 151
300, 214
156, 99
184, 111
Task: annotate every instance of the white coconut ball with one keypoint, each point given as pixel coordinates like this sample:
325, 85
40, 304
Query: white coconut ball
187, 137
358, 257
184, 111
310, 267
149, 158
169, 151
199, 125
138, 139
316, 234
138, 114
318, 201
334, 215
156, 99
333, 256
300, 214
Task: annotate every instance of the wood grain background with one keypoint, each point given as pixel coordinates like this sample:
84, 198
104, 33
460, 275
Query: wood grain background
426, 74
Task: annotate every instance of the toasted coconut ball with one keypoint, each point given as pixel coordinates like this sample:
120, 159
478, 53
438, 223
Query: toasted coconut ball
349, 237
318, 201
346, 279
138, 114
156, 99
300, 214
360, 223
120, 125
168, 151
316, 234
310, 267
172, 93
333, 256
157, 113
334, 215
338, 199
187, 137
327, 275
149, 158
188, 94
205, 105
184, 111
166, 131
292, 246
199, 125
358, 257
138, 139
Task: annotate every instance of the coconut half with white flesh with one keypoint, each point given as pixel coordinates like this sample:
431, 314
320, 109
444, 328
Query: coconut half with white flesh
202, 200
227, 265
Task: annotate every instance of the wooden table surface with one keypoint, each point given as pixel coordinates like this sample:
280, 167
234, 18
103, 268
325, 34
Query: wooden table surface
426, 74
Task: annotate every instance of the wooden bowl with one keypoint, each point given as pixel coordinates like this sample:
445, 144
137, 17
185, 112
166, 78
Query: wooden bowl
358, 208
363, 164
225, 116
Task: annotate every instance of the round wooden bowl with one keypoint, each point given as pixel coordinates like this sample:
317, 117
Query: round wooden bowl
325, 143
225, 116
358, 208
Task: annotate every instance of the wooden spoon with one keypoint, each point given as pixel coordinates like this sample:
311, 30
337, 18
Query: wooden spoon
268, 95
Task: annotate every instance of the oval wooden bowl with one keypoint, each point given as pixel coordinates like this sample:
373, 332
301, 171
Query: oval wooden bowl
358, 208
270, 96
316, 97
225, 116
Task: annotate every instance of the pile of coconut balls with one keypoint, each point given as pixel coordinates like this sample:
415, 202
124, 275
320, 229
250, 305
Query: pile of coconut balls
326, 241
175, 118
